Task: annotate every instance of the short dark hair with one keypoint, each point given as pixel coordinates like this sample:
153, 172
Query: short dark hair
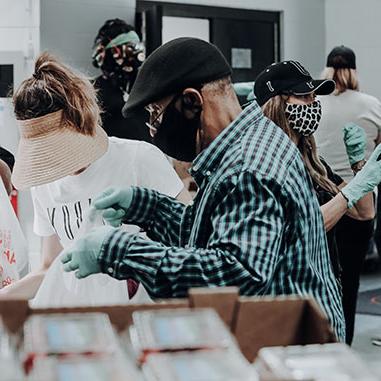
110, 29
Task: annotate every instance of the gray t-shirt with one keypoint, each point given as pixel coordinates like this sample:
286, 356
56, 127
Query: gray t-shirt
337, 111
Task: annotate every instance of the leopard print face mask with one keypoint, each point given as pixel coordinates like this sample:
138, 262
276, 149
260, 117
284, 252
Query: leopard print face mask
304, 118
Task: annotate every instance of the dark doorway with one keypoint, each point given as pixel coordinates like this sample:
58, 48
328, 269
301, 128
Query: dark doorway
249, 39
6, 80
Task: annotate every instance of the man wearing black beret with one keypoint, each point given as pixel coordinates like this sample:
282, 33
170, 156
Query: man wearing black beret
255, 222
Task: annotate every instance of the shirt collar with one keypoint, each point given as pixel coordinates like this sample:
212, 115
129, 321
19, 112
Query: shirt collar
209, 159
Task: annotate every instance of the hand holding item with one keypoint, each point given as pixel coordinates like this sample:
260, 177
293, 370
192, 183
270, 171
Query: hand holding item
366, 180
355, 142
83, 256
114, 203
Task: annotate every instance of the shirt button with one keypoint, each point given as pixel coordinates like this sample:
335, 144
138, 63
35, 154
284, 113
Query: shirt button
208, 173
110, 270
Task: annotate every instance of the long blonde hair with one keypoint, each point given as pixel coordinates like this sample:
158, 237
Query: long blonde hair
345, 79
54, 86
274, 109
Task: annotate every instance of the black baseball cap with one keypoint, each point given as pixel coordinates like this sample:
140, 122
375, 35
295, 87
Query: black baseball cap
289, 78
180, 63
341, 57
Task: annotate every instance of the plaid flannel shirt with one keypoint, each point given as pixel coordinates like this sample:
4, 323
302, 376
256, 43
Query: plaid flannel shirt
255, 223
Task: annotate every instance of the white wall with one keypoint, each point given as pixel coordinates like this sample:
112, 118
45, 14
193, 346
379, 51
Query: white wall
190, 27
19, 31
357, 24
64, 27
303, 26
20, 26
68, 27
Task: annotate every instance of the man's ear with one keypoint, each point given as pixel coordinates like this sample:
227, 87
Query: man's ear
192, 99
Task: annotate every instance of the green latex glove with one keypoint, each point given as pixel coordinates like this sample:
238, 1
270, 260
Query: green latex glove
365, 180
243, 88
83, 256
114, 203
355, 142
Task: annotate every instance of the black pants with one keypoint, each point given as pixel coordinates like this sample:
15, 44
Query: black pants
352, 239
377, 233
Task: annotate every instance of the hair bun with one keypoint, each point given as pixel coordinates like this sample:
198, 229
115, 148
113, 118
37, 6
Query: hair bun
45, 63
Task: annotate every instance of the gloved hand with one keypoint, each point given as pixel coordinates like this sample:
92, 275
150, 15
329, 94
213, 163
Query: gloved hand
355, 142
365, 180
114, 203
83, 256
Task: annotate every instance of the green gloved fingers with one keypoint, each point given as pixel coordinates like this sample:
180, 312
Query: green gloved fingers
83, 256
115, 203
71, 266
355, 142
114, 217
365, 180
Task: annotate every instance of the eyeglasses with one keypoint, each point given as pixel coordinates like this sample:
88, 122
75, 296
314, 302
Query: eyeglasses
156, 112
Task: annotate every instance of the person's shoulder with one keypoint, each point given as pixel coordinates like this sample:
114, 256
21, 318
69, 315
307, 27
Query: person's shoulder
134, 149
99, 81
122, 143
40, 192
359, 96
268, 150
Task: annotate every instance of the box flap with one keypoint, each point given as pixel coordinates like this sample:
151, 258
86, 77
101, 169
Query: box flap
14, 313
269, 321
120, 316
224, 300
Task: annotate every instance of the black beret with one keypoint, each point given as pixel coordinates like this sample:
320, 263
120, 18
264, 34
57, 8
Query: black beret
178, 64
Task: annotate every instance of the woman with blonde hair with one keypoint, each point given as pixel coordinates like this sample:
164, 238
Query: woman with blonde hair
347, 104
66, 159
287, 94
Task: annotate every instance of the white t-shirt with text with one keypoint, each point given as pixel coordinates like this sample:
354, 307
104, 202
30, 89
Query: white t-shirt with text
59, 207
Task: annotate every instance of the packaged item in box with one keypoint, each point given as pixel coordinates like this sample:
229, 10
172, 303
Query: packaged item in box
64, 289
179, 329
69, 334
211, 365
328, 362
106, 367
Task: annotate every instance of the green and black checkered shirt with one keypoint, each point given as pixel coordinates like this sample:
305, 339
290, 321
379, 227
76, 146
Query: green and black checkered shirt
255, 223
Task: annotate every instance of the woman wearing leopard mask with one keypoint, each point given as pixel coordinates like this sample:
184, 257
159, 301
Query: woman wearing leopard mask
287, 94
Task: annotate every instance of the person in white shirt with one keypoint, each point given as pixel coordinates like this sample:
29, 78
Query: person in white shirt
66, 159
5, 176
347, 105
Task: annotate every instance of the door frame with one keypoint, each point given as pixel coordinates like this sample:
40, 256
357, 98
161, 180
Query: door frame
155, 10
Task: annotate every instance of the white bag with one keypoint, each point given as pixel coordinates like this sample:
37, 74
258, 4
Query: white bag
13, 247
63, 289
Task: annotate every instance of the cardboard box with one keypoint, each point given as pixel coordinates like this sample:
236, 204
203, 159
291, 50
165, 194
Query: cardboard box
255, 322
266, 322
